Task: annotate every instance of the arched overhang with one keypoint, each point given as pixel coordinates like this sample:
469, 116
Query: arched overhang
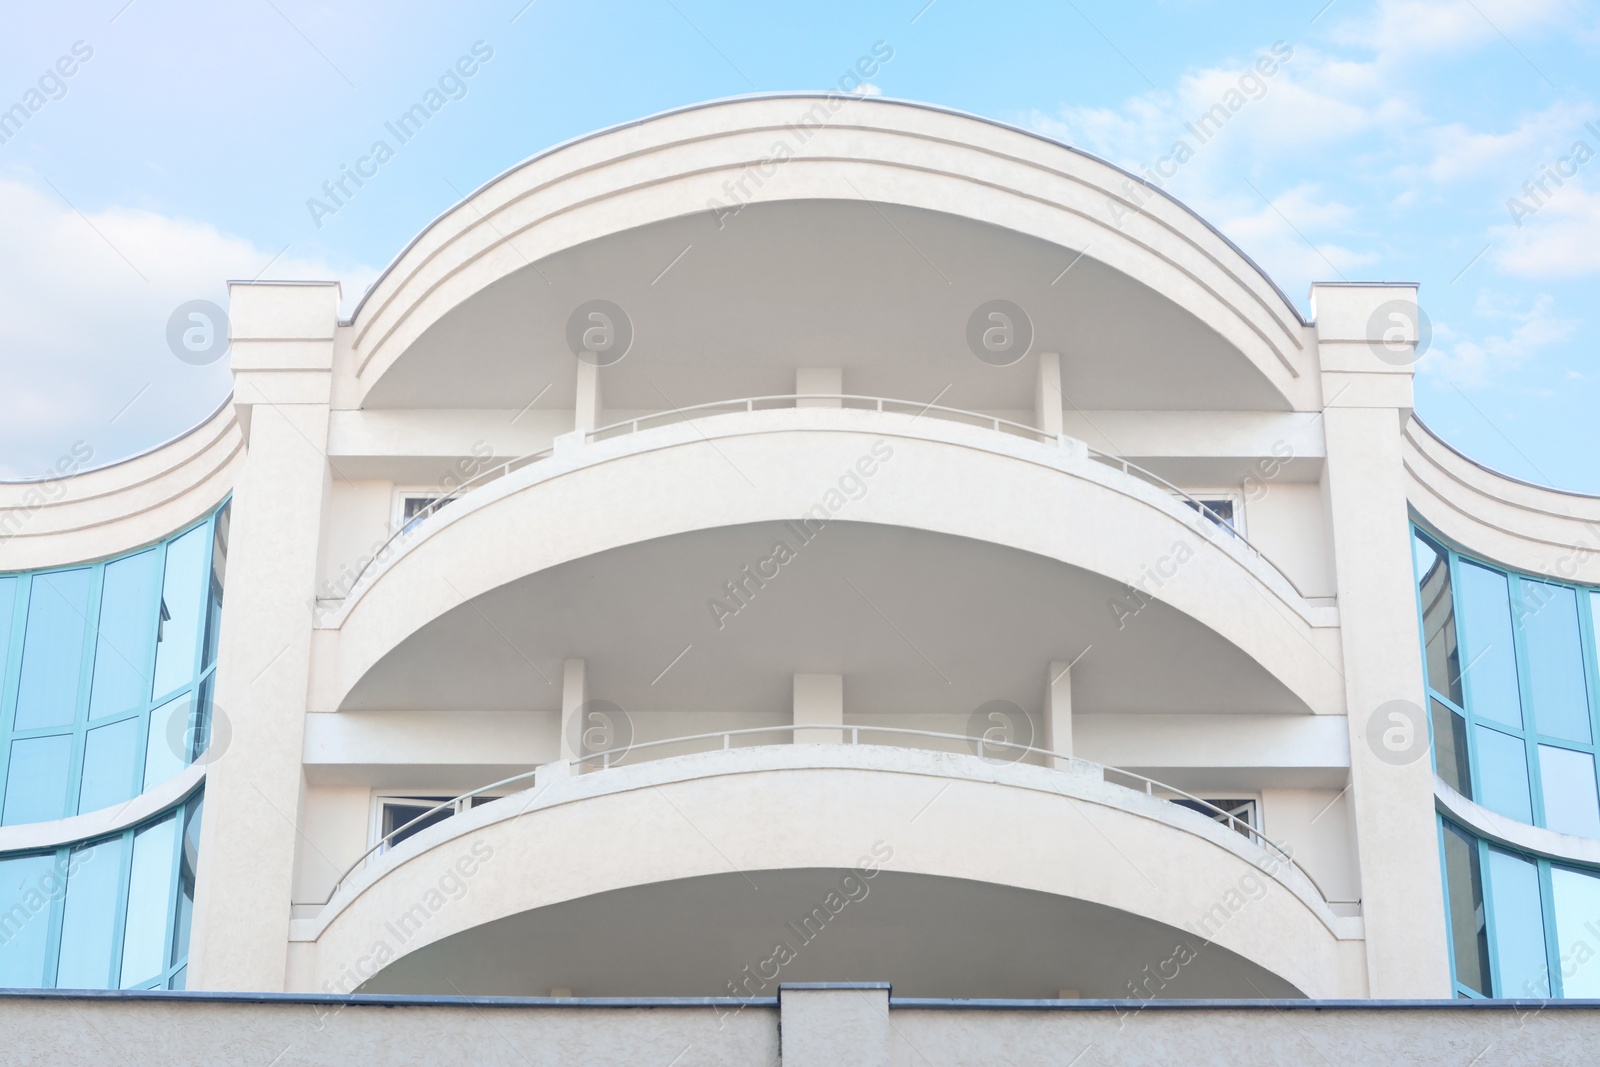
814, 149
1004, 832
1203, 593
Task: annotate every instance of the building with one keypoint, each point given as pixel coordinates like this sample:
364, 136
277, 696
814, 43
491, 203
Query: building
807, 539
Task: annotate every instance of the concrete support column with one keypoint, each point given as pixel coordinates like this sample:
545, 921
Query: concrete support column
819, 699
828, 1024
1058, 710
1047, 395
282, 358
826, 380
1368, 391
574, 692
589, 401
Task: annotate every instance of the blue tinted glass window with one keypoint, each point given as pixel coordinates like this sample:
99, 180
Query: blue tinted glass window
219, 570
36, 788
188, 866
1441, 656
1468, 935
1567, 783
182, 590
94, 879
167, 747
1502, 779
27, 889
52, 649
1557, 692
1576, 896
1519, 948
109, 760
144, 939
1490, 666
126, 635
8, 600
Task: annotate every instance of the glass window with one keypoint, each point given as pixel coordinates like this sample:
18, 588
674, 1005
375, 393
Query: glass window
1468, 933
1576, 895
397, 813
1442, 658
125, 637
1450, 748
1491, 667
188, 867
1557, 692
109, 765
1568, 785
219, 570
36, 788
182, 589
1519, 948
94, 876
1502, 778
167, 747
144, 938
52, 649
27, 891
8, 603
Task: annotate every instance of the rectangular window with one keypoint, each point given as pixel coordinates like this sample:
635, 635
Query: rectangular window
52, 649
109, 772
8, 595
144, 936
400, 811
182, 594
126, 634
219, 571
1442, 657
167, 745
1576, 895
1450, 748
1557, 691
1502, 781
188, 863
93, 876
1567, 784
36, 788
1468, 932
27, 890
1491, 662
1519, 950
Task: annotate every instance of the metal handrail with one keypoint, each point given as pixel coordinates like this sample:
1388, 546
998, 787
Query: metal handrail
784, 400
605, 758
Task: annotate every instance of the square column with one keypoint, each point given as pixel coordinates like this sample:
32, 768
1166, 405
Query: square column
1058, 711
1047, 398
819, 699
826, 380
282, 357
1392, 800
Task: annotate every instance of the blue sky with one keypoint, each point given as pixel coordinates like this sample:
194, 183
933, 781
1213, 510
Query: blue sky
183, 150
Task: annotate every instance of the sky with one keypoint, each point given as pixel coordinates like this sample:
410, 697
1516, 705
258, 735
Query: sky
1452, 143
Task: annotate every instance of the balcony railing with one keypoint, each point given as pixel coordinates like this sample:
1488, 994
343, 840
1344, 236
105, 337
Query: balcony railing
999, 751
1219, 527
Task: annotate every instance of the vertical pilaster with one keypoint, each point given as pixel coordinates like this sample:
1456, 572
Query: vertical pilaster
819, 699
1367, 389
574, 692
282, 357
827, 381
1047, 394
587, 416
1058, 710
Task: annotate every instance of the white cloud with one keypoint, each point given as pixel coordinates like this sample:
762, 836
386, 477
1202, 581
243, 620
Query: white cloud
1399, 30
1476, 364
1561, 240
84, 303
1513, 156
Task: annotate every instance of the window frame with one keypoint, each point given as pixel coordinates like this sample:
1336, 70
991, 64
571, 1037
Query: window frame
1529, 735
387, 795
197, 687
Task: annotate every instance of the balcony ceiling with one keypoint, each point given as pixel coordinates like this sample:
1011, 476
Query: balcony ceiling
882, 291
929, 936
917, 622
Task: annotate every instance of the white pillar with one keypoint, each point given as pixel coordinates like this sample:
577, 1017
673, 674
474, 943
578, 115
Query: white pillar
1047, 395
1058, 710
574, 692
282, 360
589, 400
819, 699
1393, 804
825, 380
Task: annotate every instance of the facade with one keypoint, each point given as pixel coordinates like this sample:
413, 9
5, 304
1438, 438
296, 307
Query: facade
806, 539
